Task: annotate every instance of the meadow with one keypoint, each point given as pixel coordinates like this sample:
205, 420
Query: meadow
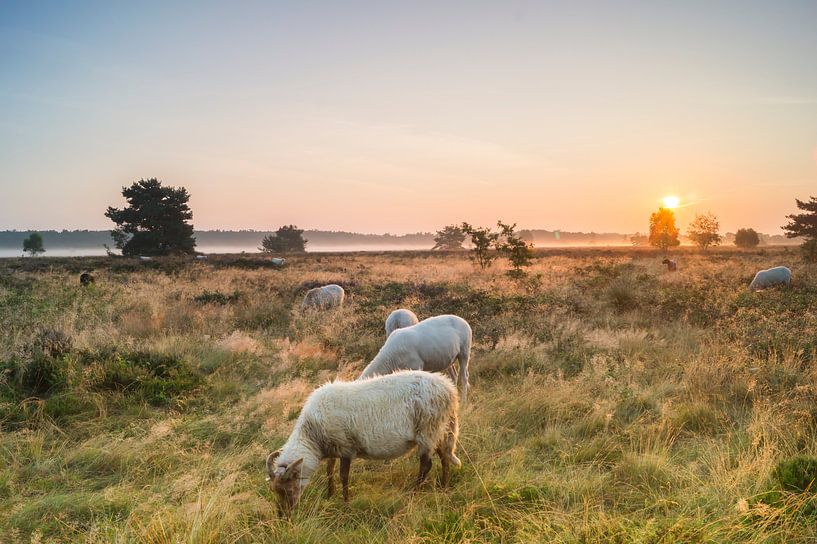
611, 401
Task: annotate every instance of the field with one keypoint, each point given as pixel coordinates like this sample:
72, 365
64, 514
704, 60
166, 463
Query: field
611, 401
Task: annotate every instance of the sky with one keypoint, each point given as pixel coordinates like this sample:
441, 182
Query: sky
381, 116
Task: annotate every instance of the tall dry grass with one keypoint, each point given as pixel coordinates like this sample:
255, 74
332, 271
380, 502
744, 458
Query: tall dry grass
612, 401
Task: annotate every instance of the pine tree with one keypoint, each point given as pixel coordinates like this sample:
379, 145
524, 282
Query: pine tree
155, 220
805, 225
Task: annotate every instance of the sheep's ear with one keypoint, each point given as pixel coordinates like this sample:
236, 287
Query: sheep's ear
293, 470
271, 462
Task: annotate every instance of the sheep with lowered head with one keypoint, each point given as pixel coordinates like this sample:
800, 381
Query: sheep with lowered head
779, 275
324, 298
672, 266
378, 418
399, 319
432, 345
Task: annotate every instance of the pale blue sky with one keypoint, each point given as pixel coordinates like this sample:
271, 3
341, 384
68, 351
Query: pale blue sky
399, 117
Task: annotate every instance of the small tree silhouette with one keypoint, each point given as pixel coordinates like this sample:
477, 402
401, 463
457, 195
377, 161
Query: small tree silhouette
704, 230
450, 237
33, 245
746, 238
287, 239
482, 242
518, 252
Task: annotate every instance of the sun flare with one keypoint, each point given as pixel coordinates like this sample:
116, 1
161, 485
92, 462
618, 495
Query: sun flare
671, 201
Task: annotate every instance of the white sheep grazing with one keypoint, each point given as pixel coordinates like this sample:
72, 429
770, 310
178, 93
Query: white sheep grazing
328, 296
779, 275
399, 319
431, 345
378, 418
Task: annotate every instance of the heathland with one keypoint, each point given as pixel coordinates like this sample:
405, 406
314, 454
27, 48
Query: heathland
611, 400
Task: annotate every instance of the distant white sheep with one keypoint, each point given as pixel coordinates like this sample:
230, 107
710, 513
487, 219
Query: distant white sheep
326, 297
779, 275
378, 418
277, 261
431, 345
399, 319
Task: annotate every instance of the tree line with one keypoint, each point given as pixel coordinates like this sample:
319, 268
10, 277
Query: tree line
156, 221
704, 230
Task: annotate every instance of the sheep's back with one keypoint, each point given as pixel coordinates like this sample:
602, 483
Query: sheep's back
438, 338
771, 276
381, 417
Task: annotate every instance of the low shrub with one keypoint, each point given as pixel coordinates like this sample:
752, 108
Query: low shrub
797, 473
216, 297
158, 378
622, 296
42, 375
631, 408
695, 418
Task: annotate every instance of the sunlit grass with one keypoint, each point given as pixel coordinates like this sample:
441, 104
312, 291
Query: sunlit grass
612, 402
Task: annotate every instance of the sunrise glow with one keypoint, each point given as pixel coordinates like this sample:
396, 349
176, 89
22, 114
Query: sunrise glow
330, 117
671, 202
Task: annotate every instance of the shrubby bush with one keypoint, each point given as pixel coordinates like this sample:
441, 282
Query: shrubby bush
797, 474
64, 382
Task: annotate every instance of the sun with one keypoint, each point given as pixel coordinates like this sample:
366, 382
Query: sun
671, 201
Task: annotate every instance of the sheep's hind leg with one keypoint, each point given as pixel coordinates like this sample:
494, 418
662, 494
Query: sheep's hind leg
330, 477
345, 463
425, 466
444, 461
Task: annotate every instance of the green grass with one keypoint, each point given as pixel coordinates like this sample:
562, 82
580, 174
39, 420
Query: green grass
611, 401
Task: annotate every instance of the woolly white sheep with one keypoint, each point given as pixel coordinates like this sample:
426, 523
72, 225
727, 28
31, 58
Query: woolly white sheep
779, 275
431, 345
377, 418
399, 319
328, 296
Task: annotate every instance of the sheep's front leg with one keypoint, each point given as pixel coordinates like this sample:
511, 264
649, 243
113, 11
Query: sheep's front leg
425, 466
330, 477
345, 463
